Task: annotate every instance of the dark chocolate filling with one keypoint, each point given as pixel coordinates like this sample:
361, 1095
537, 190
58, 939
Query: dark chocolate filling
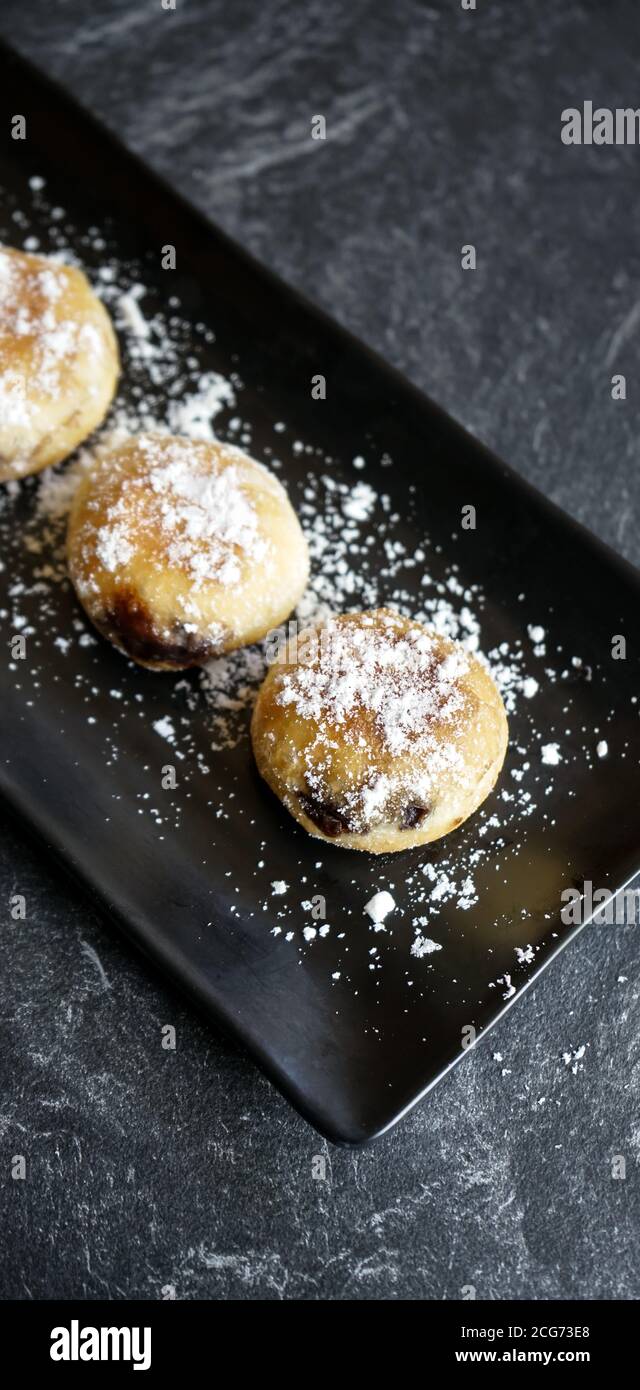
413, 815
333, 822
325, 815
128, 623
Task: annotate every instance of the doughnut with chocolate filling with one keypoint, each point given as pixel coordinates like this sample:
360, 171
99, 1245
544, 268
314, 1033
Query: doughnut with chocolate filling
377, 733
182, 549
59, 362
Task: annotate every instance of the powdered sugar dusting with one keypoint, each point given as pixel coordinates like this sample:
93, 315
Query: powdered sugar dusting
202, 512
398, 676
30, 292
424, 946
195, 413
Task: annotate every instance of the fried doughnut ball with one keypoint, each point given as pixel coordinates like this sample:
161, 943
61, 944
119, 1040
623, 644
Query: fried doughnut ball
59, 362
377, 733
180, 549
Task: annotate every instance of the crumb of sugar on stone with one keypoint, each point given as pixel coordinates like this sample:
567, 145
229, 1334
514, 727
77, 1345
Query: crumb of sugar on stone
536, 633
602, 748
524, 954
530, 687
550, 754
309, 933
278, 887
379, 906
573, 1058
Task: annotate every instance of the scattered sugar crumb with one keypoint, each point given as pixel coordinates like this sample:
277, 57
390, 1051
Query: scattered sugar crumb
165, 729
423, 946
379, 906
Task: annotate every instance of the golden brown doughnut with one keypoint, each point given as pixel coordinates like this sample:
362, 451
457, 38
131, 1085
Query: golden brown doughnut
181, 549
59, 362
377, 733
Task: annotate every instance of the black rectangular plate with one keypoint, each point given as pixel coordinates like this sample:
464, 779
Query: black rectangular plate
352, 1053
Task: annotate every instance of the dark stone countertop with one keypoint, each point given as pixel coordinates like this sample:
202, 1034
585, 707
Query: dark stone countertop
153, 1174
